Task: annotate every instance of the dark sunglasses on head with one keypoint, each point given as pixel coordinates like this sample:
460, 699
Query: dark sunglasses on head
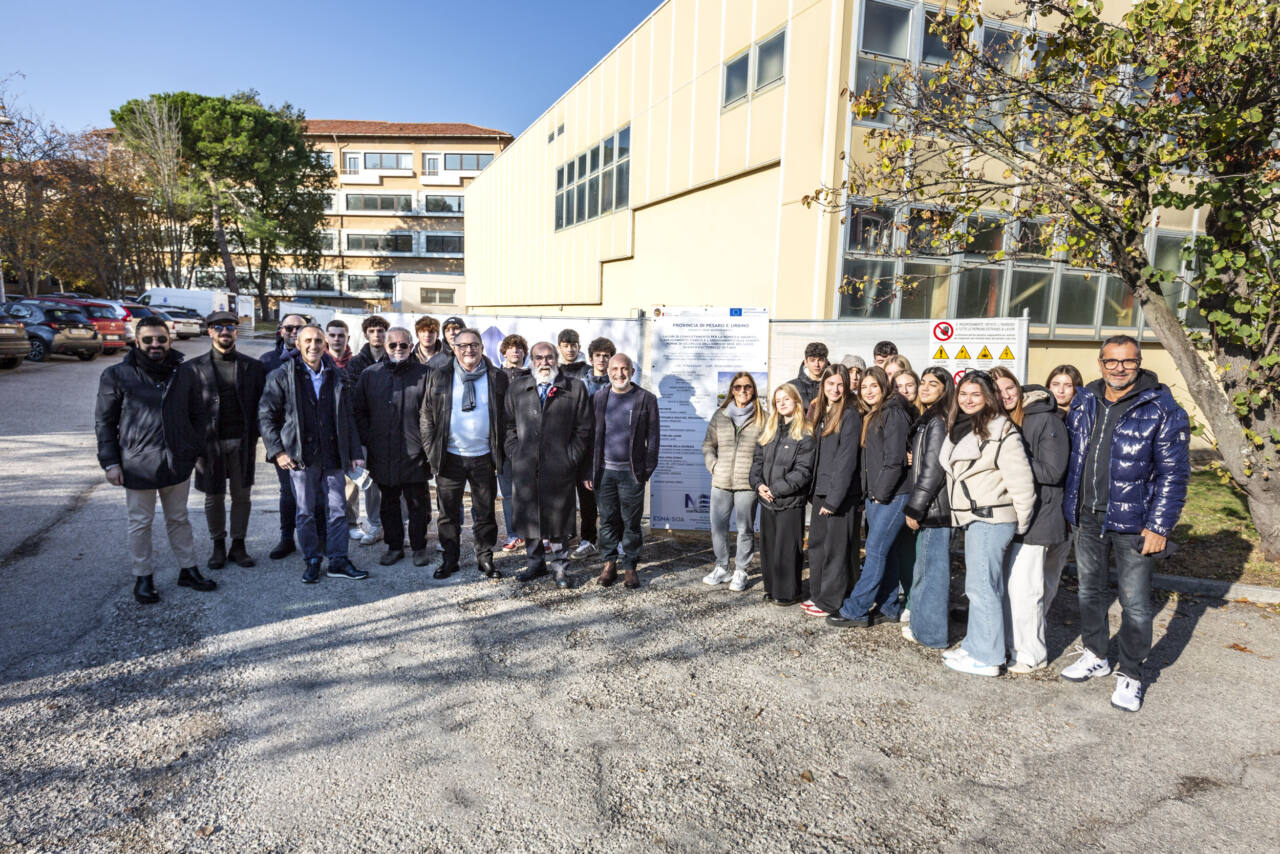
397, 345
224, 327
975, 374
154, 339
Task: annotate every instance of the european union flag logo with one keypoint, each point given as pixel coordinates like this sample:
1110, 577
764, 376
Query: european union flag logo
735, 312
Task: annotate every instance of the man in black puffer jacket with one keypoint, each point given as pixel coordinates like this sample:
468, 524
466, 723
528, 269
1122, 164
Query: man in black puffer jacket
809, 380
150, 425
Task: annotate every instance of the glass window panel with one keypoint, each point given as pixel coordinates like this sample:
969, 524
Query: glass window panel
606, 191
926, 229
593, 197
581, 202
1033, 242
608, 150
560, 210
568, 172
1195, 320
1118, 304
483, 160
770, 57
1168, 257
353, 163
582, 166
568, 207
560, 178
433, 165
978, 292
372, 161
926, 289
886, 29
1030, 289
406, 161
871, 229
453, 161
1077, 296
1002, 47
866, 288
624, 142
470, 162
735, 79
622, 185
595, 159
934, 50
985, 235
871, 77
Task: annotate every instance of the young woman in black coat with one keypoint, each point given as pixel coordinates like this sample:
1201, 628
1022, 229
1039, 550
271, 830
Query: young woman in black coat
781, 470
836, 494
928, 513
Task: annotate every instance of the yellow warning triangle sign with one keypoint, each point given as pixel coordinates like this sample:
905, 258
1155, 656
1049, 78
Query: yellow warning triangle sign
941, 354
963, 354
1006, 353
985, 354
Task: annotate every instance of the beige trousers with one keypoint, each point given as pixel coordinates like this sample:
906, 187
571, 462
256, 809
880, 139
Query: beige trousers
142, 512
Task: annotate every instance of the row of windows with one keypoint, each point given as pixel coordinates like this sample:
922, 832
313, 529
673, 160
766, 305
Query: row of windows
432, 242
402, 203
595, 182
403, 160
283, 282
767, 57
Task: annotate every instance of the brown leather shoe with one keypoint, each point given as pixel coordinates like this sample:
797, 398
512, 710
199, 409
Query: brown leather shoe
609, 574
630, 579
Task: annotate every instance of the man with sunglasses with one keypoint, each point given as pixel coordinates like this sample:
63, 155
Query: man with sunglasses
150, 426
286, 343
462, 420
1126, 486
230, 385
386, 401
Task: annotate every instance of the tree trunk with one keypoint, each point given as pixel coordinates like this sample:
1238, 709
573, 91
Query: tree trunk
263, 303
1264, 507
228, 264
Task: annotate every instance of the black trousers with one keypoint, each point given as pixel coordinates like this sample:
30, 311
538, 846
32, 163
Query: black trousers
288, 503
417, 505
833, 554
456, 473
782, 550
587, 510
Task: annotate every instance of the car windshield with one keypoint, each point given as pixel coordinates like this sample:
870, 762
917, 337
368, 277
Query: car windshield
140, 311
101, 312
69, 315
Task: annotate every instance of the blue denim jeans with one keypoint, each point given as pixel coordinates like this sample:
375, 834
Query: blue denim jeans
313, 487
985, 544
1133, 583
878, 584
930, 596
288, 504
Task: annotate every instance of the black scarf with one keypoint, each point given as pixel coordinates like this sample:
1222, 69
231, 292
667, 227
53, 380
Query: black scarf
963, 427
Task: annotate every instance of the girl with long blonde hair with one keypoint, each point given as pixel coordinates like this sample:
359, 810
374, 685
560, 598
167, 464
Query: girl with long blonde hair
781, 470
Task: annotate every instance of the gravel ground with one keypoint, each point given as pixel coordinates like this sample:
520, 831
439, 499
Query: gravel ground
403, 713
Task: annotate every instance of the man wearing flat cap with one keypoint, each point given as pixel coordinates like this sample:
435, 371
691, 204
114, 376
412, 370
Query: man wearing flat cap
230, 384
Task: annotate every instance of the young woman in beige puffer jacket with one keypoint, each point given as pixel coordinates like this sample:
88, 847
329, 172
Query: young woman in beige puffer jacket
728, 450
993, 497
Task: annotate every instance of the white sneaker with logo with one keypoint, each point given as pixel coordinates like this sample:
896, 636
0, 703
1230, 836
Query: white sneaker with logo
1086, 667
719, 575
585, 548
375, 534
739, 581
1127, 697
355, 532
964, 663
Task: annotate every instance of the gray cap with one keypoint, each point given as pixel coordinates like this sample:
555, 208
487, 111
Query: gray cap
851, 361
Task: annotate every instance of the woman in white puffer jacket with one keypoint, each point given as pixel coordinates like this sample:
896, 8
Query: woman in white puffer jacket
993, 497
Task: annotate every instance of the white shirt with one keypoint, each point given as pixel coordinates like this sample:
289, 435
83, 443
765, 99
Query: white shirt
317, 377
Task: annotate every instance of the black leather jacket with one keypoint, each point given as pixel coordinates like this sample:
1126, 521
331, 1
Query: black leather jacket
928, 503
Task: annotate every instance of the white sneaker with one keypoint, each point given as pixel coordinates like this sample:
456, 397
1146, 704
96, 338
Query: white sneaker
356, 533
955, 652
1086, 667
1128, 694
739, 581
1015, 666
963, 663
375, 534
905, 616
584, 549
906, 633
716, 576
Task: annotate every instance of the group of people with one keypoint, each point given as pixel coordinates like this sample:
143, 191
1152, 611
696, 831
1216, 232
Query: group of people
1024, 471
890, 463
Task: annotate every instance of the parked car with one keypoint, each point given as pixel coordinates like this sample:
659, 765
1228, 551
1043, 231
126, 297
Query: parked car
186, 323
56, 329
14, 346
107, 319
133, 311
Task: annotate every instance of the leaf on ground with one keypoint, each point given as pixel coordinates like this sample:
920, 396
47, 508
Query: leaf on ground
206, 830
1241, 648
807, 776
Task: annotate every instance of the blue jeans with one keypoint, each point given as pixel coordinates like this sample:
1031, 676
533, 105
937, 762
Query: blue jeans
726, 504
984, 546
930, 595
878, 584
1133, 583
620, 498
313, 487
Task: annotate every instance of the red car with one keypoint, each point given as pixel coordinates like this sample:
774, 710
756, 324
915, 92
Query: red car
105, 317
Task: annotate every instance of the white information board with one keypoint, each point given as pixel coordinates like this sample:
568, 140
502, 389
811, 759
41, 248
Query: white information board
694, 353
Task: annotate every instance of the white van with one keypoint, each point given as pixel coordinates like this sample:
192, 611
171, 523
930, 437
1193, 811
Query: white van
201, 300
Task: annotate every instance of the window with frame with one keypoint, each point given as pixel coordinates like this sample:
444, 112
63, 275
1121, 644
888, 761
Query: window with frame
325, 158
467, 162
380, 242
737, 78
867, 288
351, 164
871, 230
379, 202
385, 160
757, 67
431, 164
384, 282
444, 243
594, 182
770, 59
443, 204
436, 296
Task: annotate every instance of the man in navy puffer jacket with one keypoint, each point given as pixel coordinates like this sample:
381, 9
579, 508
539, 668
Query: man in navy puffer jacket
1126, 485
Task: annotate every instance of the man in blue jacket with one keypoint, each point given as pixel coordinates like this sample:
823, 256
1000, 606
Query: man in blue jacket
1126, 485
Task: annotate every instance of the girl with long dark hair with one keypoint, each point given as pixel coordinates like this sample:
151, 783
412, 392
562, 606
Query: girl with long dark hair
836, 494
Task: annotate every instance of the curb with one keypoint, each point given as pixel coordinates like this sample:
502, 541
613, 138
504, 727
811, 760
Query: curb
1207, 588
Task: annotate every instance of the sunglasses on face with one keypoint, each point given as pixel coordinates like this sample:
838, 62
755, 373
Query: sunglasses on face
290, 328
743, 388
224, 327
154, 339
398, 345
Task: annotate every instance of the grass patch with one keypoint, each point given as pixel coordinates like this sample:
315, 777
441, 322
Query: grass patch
1217, 538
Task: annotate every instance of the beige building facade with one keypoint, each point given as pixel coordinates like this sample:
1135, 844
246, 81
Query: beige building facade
673, 172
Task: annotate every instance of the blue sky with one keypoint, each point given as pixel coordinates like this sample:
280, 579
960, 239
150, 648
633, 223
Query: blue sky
496, 64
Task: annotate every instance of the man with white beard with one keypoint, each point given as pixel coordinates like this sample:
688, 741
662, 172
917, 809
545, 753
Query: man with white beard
548, 435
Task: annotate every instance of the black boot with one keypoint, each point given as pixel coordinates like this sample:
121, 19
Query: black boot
239, 555
191, 577
484, 563
144, 590
284, 548
218, 559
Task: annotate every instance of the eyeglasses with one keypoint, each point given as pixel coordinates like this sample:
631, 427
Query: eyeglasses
458, 346
290, 328
743, 388
397, 345
154, 339
223, 327
549, 357
1128, 364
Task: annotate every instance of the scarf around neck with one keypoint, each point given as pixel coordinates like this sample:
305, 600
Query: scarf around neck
740, 415
469, 379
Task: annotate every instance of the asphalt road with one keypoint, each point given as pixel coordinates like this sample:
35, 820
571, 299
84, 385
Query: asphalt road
407, 714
